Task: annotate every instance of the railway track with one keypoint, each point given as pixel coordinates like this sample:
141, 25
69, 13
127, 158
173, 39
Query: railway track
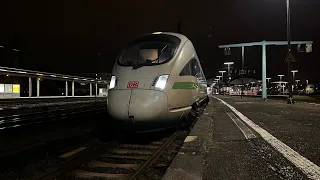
115, 160
50, 114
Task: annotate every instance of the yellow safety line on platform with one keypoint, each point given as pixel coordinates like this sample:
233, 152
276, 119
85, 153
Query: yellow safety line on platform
66, 155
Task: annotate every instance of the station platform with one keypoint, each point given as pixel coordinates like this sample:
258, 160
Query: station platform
298, 98
248, 138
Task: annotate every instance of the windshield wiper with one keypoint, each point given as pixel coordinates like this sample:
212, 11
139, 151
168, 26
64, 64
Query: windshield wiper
147, 62
161, 52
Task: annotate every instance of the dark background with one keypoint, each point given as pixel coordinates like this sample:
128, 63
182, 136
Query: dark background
86, 36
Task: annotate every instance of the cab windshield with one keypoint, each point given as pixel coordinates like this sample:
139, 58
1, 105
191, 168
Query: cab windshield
147, 53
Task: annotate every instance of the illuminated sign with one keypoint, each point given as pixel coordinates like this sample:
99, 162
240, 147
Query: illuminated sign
16, 88
240, 72
1, 88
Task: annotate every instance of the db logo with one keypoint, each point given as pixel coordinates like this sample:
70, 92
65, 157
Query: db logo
133, 84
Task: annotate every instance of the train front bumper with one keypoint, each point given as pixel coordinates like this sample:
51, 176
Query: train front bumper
141, 109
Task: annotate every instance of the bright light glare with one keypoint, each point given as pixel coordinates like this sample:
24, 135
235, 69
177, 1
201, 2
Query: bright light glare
1, 88
161, 82
112, 82
229, 63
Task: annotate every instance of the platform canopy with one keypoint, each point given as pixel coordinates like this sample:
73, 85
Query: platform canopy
275, 43
280, 82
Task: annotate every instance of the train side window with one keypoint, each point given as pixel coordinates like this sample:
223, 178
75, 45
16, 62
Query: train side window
186, 71
192, 68
195, 70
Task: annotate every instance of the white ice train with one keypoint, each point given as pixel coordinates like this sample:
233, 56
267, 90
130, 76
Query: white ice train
157, 81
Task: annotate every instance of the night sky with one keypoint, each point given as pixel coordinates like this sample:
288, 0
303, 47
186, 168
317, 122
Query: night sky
86, 36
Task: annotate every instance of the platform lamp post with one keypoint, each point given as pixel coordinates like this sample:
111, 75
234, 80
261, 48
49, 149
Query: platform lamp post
297, 82
294, 74
228, 64
293, 77
268, 85
280, 75
290, 81
222, 72
268, 79
219, 82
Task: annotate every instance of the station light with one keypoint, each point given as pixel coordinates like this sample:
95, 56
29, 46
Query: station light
65, 77
53, 76
39, 74
22, 72
75, 78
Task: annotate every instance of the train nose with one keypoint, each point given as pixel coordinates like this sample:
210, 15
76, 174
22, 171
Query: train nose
148, 105
138, 105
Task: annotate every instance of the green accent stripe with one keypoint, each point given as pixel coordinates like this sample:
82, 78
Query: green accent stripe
184, 85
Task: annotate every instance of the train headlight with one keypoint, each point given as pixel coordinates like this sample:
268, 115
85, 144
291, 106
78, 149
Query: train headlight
161, 82
112, 82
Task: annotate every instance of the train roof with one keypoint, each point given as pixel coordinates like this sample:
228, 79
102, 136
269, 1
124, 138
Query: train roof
180, 36
177, 35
